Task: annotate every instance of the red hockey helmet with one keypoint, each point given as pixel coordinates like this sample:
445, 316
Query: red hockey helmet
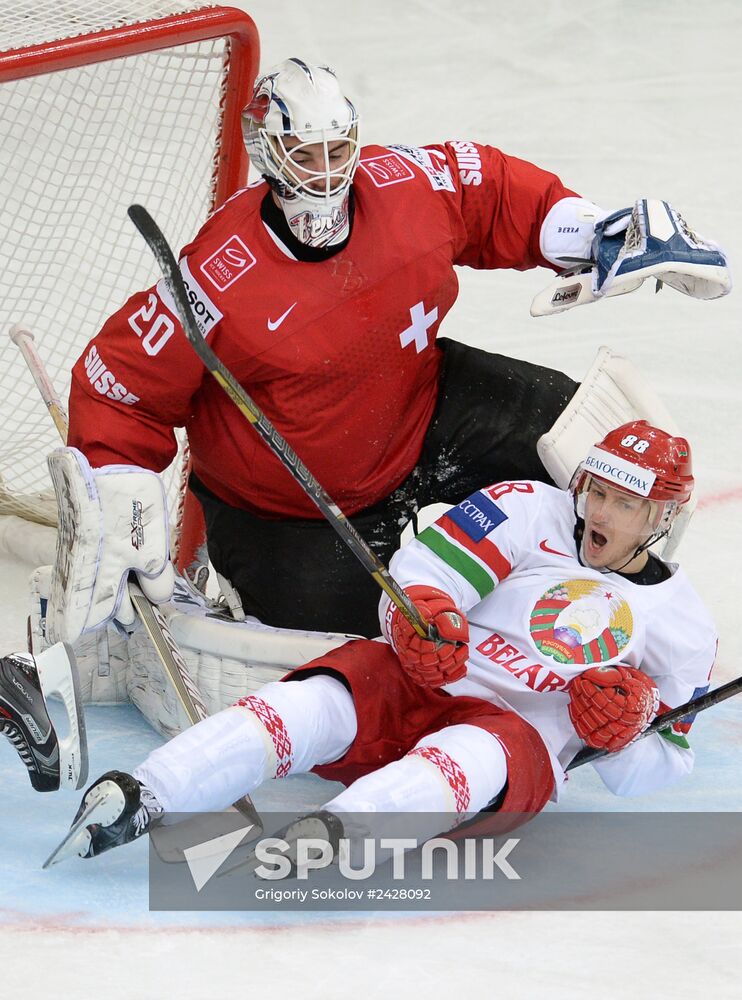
645, 461
663, 469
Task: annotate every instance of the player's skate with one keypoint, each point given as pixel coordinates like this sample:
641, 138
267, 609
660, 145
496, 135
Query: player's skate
321, 826
112, 813
25, 684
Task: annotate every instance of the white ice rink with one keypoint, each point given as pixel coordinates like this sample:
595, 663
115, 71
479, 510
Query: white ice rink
622, 100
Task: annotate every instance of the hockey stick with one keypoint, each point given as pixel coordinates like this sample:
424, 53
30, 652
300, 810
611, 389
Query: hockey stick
275, 441
149, 614
708, 700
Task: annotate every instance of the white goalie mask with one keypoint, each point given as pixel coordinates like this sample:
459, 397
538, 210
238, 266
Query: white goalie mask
301, 134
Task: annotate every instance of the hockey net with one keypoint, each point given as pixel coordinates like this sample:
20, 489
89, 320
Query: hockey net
103, 104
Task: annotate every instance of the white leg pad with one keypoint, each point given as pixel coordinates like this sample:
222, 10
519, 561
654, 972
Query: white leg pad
284, 728
457, 770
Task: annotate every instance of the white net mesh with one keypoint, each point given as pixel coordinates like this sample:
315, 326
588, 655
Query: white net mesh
79, 146
33, 22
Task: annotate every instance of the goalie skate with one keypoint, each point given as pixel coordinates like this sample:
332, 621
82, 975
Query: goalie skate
111, 814
25, 686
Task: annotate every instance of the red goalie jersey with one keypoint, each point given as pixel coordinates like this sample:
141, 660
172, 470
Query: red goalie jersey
340, 354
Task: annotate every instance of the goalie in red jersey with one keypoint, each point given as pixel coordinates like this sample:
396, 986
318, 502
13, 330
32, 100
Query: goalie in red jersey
323, 288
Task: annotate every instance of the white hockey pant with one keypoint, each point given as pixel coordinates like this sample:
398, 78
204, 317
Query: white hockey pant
289, 728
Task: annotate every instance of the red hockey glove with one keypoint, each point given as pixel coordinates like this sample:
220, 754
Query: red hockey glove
428, 663
609, 706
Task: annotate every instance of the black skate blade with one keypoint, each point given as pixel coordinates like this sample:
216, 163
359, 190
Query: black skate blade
98, 810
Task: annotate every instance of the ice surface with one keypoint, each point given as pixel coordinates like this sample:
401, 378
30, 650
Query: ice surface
622, 101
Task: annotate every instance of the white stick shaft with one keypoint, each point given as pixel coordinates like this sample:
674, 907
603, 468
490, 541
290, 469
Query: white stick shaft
24, 341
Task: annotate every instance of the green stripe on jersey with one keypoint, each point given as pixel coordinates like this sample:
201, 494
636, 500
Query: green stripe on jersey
677, 738
458, 559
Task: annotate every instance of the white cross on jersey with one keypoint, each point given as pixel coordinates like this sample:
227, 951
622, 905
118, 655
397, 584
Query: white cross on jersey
417, 333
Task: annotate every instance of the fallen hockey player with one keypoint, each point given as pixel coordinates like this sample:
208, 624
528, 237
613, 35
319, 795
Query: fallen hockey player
559, 628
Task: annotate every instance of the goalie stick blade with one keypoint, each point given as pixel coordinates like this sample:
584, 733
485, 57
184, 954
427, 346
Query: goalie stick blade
57, 670
105, 806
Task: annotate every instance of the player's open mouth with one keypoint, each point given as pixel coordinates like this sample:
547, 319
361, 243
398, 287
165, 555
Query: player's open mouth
597, 541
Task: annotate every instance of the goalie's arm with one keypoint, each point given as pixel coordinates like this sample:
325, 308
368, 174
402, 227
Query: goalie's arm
132, 385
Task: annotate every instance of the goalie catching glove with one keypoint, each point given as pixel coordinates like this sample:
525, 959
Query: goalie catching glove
610, 706
112, 521
432, 663
612, 254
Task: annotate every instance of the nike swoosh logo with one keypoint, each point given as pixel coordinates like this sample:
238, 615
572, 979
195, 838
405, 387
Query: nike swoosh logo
545, 548
275, 325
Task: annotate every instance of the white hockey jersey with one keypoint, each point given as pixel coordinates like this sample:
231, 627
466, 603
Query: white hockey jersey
538, 617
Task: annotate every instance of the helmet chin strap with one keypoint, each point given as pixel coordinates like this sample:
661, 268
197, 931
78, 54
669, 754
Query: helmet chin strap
580, 526
637, 552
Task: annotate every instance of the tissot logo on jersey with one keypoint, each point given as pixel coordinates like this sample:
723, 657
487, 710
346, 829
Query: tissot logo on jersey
104, 381
387, 169
230, 262
477, 516
206, 312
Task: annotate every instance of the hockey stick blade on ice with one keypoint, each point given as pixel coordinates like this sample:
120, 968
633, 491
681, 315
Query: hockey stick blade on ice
700, 704
275, 441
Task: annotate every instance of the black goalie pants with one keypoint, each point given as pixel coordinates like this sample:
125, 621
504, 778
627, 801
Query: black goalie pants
298, 574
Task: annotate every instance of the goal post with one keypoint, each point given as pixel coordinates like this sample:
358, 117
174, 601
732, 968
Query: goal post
103, 104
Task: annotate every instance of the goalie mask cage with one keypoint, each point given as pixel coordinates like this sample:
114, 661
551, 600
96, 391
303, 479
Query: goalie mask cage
104, 103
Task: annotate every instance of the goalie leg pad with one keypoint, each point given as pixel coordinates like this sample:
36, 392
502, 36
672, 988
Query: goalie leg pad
111, 521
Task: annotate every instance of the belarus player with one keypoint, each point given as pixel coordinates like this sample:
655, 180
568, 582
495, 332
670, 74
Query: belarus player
323, 288
561, 626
